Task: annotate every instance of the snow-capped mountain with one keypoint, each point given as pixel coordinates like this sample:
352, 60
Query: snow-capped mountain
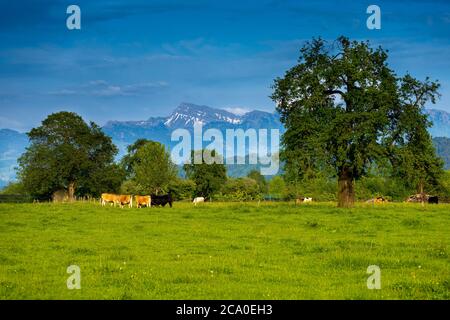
186, 114
123, 133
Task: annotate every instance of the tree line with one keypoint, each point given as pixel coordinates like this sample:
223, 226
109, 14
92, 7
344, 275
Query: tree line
354, 130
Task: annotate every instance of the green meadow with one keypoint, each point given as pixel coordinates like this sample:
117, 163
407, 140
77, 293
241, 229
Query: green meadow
225, 251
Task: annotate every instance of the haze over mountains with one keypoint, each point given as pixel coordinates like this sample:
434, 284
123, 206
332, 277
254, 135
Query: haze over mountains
123, 133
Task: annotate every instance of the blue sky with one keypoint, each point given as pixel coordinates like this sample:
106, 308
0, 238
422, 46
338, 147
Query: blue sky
136, 59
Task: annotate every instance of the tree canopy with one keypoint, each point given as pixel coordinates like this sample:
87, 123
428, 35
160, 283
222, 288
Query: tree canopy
277, 187
66, 153
260, 180
345, 109
208, 178
130, 159
149, 167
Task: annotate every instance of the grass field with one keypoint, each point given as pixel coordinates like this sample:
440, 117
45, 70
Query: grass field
224, 251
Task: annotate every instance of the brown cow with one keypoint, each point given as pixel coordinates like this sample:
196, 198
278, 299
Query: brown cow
109, 198
125, 200
143, 201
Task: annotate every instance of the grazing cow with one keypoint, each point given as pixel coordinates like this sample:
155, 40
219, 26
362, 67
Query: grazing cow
420, 197
303, 200
377, 200
161, 200
198, 200
433, 199
125, 200
142, 201
109, 198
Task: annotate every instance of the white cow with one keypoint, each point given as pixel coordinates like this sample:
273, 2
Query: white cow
303, 200
198, 200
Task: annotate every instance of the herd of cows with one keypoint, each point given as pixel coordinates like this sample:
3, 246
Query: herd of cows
162, 200
141, 201
421, 197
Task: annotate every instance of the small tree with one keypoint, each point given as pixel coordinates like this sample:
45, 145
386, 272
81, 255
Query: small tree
209, 178
260, 180
241, 189
182, 189
414, 155
277, 187
152, 168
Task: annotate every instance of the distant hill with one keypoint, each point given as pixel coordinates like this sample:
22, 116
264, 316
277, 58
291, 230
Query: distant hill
124, 133
441, 123
442, 145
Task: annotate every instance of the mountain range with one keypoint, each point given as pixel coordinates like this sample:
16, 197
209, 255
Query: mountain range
183, 117
124, 133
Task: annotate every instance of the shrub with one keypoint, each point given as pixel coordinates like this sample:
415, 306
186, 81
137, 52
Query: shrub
240, 189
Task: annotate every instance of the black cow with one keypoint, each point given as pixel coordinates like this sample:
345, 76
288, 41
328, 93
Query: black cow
433, 199
162, 200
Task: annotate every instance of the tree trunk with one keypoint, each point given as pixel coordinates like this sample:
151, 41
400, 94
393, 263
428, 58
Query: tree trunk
346, 192
71, 191
422, 194
420, 187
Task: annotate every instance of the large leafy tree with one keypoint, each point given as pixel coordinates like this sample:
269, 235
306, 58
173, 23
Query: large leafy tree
344, 108
151, 167
67, 153
208, 178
